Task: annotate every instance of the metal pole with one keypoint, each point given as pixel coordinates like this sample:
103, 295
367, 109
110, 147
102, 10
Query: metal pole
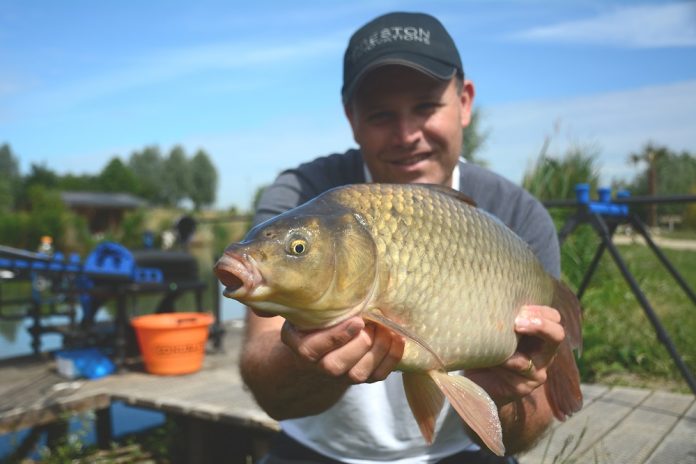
601, 228
672, 270
590, 271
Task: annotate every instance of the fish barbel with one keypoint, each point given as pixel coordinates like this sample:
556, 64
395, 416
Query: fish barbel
423, 261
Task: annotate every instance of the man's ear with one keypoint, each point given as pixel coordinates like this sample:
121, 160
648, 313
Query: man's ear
466, 100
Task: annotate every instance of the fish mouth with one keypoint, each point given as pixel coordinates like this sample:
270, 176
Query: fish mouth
238, 274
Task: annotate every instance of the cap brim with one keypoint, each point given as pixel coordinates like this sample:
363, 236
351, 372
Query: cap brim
431, 67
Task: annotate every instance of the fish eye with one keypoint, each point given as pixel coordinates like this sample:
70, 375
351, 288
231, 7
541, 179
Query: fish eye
298, 246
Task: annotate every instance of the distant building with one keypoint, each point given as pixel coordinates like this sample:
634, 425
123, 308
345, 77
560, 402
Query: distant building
103, 211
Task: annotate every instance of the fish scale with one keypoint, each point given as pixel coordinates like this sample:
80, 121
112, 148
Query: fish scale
418, 304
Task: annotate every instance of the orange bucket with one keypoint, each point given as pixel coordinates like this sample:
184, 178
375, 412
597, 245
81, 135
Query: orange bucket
172, 343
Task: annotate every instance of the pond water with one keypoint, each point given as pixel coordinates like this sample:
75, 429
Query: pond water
15, 340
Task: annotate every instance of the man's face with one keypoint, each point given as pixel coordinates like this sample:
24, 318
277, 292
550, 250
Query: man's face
409, 125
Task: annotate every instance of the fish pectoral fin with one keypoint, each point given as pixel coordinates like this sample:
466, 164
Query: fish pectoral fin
425, 399
377, 317
474, 406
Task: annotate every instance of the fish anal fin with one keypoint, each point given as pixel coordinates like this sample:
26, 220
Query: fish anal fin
474, 406
563, 384
425, 399
565, 301
377, 317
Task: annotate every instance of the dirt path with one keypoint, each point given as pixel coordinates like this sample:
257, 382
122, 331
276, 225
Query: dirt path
671, 243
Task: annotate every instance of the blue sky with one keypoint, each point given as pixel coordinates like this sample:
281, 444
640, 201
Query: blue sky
256, 84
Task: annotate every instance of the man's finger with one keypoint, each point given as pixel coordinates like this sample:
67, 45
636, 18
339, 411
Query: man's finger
315, 345
542, 333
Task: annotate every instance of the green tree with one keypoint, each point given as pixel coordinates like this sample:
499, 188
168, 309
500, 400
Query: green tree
176, 177
690, 213
78, 182
650, 155
553, 177
665, 173
117, 177
148, 167
473, 139
39, 175
9, 178
204, 180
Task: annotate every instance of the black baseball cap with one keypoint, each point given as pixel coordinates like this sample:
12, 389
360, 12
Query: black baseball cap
416, 40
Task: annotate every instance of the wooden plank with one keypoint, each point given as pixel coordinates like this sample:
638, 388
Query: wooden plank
634, 439
585, 430
679, 446
591, 392
25, 417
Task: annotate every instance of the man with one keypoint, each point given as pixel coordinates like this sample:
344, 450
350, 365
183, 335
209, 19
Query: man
334, 390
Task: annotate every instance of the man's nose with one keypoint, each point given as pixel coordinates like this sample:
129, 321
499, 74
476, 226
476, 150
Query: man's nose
407, 131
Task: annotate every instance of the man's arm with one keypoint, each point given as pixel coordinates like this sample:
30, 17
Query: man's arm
296, 374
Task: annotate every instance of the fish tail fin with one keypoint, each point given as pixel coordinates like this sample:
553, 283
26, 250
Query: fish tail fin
563, 384
425, 399
474, 406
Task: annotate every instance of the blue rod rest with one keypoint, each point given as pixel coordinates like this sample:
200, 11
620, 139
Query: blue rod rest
604, 204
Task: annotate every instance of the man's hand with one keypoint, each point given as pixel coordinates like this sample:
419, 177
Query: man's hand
523, 372
351, 351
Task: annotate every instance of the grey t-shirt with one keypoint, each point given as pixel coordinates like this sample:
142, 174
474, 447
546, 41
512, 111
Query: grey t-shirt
514, 206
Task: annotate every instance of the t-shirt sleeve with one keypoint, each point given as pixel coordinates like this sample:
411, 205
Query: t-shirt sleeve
299, 185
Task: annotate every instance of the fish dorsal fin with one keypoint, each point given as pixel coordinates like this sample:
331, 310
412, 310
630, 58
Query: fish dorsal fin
379, 318
450, 192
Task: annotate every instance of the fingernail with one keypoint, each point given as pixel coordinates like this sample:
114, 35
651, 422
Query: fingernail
521, 321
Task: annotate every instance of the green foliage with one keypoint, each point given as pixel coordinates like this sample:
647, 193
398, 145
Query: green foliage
620, 345
47, 215
554, 178
473, 139
9, 178
79, 183
665, 173
117, 177
690, 213
132, 228
203, 180
39, 176
176, 181
148, 166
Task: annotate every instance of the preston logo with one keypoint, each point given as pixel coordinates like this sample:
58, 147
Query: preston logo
389, 35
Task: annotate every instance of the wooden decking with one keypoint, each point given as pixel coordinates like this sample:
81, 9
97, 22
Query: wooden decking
617, 425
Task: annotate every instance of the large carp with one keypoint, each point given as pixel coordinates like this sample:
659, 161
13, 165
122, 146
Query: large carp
423, 261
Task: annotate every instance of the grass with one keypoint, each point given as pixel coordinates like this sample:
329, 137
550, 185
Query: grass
620, 344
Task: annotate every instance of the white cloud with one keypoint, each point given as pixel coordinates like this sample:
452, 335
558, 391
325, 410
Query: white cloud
648, 26
615, 123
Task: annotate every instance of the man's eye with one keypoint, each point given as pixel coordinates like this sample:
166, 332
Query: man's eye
380, 116
427, 107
